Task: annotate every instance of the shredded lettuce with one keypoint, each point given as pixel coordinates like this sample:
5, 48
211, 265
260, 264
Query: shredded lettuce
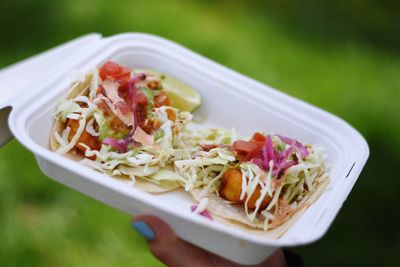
66, 107
205, 169
167, 175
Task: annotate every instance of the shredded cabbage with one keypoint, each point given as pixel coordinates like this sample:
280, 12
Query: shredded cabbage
205, 169
66, 107
202, 206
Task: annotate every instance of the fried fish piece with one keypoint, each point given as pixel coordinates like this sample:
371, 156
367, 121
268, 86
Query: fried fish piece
231, 189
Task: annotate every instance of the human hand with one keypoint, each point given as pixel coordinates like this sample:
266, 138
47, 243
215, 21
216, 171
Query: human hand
175, 252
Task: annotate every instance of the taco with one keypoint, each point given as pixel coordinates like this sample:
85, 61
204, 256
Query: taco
262, 184
122, 123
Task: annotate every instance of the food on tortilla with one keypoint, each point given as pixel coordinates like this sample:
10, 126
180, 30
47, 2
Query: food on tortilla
263, 183
121, 122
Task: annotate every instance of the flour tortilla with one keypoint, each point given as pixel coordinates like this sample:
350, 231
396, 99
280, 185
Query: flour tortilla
82, 88
79, 88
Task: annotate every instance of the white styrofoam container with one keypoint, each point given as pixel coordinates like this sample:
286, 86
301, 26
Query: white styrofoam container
229, 100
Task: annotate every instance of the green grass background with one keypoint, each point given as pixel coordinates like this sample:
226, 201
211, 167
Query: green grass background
342, 56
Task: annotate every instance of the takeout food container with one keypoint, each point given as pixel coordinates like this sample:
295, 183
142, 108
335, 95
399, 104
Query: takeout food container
30, 90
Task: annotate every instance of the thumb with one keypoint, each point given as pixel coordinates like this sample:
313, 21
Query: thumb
166, 245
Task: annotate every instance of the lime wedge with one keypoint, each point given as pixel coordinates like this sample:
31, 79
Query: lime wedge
183, 96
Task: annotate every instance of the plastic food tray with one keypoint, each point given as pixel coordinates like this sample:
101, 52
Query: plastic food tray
229, 100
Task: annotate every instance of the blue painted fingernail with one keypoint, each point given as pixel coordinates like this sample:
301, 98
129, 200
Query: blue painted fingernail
144, 229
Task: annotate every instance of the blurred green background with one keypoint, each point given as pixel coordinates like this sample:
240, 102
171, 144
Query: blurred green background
343, 56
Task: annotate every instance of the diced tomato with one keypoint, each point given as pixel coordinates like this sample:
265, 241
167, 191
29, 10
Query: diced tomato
109, 69
153, 85
244, 146
254, 154
124, 86
124, 94
123, 76
115, 71
257, 137
162, 100
249, 150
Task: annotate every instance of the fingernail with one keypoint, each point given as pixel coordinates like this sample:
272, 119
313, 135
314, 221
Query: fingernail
144, 229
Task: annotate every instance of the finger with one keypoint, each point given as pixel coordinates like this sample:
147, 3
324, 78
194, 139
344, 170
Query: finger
166, 245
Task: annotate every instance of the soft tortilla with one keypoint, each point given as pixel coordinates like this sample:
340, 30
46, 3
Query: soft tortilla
79, 88
147, 186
